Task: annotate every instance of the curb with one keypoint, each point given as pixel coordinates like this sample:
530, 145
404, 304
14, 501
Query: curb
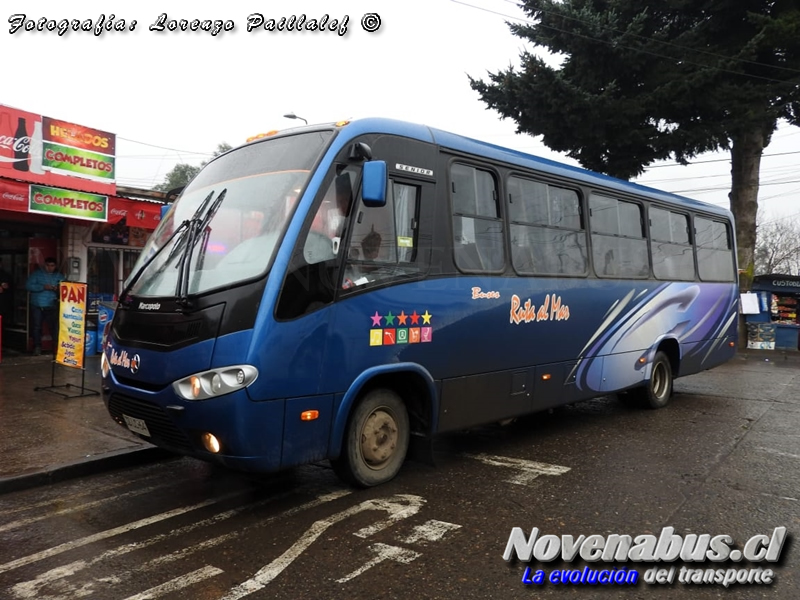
119, 459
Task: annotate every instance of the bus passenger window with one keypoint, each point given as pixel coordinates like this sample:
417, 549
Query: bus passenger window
547, 235
670, 245
619, 248
477, 224
714, 250
384, 240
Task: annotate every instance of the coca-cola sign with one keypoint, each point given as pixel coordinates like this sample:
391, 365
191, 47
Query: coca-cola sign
47, 151
15, 144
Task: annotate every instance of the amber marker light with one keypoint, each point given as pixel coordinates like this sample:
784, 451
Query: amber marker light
341, 123
309, 415
211, 443
642, 360
546, 376
261, 135
196, 387
731, 344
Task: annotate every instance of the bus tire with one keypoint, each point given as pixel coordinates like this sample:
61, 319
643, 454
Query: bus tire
375, 440
657, 390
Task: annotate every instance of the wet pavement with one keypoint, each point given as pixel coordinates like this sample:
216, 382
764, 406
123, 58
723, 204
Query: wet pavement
54, 425
62, 431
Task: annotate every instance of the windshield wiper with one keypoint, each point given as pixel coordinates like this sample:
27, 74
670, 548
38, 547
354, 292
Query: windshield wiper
150, 260
199, 222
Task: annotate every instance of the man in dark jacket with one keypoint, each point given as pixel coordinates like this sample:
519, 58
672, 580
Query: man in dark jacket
43, 286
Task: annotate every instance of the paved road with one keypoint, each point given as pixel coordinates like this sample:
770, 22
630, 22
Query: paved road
723, 458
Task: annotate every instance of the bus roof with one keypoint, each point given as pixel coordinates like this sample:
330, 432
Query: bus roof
466, 145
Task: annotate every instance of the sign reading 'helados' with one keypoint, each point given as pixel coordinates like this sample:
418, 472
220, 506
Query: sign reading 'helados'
46, 151
77, 150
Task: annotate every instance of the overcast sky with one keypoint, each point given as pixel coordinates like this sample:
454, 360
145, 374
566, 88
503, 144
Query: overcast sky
173, 96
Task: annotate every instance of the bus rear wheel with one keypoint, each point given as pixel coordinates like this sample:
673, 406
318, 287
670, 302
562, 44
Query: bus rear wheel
657, 390
375, 441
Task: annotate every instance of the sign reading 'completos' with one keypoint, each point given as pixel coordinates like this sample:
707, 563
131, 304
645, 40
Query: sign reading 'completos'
67, 203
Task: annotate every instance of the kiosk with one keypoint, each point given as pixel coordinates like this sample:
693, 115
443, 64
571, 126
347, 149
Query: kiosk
778, 301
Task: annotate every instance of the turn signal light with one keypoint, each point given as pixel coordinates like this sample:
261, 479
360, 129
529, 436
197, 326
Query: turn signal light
309, 415
546, 376
642, 360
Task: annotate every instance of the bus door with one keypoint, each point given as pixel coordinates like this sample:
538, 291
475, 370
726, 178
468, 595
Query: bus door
383, 294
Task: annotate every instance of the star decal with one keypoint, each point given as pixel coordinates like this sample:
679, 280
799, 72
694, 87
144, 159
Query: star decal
390, 318
426, 318
376, 319
414, 318
401, 318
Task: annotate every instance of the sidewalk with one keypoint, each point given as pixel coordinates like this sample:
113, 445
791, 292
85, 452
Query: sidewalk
45, 437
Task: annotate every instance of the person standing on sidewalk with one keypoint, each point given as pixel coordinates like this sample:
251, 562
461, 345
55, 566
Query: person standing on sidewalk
43, 286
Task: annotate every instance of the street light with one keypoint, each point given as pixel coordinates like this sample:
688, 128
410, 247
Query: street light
291, 115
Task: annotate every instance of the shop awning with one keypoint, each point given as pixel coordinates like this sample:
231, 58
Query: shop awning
776, 283
14, 196
146, 215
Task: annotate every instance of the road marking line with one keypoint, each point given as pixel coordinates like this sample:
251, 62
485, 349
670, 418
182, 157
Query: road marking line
109, 533
415, 502
530, 469
30, 589
94, 491
779, 453
385, 552
432, 531
269, 572
66, 511
177, 584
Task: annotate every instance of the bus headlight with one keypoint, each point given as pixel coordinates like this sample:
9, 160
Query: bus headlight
215, 382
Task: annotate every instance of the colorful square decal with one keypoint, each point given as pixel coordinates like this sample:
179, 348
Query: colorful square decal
413, 335
388, 337
427, 334
376, 337
402, 336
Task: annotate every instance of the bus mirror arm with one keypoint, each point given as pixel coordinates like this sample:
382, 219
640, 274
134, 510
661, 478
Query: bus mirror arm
360, 151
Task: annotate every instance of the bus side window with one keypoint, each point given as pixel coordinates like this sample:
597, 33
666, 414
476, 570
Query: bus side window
477, 223
547, 234
384, 240
619, 248
714, 250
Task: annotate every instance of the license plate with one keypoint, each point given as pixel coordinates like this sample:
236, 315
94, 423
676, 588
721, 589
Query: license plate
136, 425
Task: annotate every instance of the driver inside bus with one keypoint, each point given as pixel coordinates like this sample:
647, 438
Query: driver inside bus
355, 273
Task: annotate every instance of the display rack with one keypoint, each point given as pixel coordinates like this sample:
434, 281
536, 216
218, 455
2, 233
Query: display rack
784, 310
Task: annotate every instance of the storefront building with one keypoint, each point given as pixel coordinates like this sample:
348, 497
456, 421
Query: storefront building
58, 197
776, 325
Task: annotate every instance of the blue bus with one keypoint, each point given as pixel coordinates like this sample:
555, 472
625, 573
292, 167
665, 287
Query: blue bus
347, 291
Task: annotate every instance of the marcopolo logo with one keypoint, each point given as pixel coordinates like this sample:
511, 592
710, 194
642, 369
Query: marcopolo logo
668, 547
149, 305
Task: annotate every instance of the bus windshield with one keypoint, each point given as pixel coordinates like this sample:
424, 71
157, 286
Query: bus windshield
244, 198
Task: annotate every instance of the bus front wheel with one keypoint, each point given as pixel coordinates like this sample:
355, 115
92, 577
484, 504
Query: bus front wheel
375, 441
657, 390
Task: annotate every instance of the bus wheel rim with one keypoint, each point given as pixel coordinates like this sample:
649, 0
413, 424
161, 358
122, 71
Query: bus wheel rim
379, 438
659, 380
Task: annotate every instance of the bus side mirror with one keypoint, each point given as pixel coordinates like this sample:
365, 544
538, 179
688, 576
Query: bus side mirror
373, 186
